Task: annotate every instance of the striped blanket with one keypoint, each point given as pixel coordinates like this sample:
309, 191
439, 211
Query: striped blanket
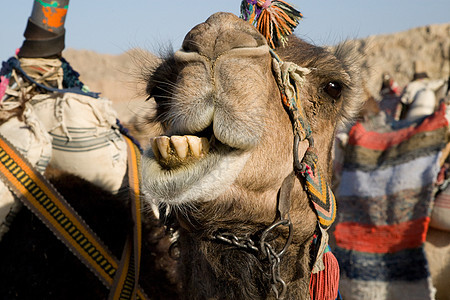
384, 199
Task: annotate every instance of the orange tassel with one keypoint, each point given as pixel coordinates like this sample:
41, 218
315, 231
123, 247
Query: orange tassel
324, 285
275, 19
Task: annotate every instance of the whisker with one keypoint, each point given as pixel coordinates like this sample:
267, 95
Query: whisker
168, 83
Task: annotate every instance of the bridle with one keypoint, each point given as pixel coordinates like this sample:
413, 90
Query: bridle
289, 77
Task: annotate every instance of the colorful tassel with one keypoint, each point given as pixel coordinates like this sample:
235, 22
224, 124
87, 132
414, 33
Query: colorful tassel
275, 19
324, 285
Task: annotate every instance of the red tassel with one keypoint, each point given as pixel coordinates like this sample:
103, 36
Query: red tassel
324, 285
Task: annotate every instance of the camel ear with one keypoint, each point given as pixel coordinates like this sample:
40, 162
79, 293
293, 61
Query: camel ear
274, 19
351, 61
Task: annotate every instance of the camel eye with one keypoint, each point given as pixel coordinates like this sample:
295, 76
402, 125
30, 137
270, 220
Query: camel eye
333, 89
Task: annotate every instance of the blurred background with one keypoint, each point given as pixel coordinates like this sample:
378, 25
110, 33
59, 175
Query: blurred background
102, 36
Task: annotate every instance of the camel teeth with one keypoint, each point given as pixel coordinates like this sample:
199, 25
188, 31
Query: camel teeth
169, 150
195, 145
155, 148
163, 143
205, 145
180, 144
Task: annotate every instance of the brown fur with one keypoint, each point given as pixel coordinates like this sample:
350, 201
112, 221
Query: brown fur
36, 265
246, 112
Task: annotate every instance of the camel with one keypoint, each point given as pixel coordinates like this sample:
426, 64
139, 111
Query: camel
215, 175
225, 149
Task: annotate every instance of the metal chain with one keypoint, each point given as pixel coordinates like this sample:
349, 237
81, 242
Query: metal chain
275, 261
241, 242
266, 249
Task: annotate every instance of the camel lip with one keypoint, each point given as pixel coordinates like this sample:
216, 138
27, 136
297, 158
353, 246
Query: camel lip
201, 179
208, 132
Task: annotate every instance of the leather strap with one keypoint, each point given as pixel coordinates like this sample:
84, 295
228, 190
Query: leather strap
284, 197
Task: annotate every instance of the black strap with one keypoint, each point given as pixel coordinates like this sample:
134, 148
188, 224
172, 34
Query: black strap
40, 42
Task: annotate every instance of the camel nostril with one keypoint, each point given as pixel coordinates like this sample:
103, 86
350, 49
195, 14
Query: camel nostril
212, 39
190, 42
234, 39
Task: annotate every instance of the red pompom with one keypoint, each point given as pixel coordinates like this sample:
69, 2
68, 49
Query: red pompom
324, 285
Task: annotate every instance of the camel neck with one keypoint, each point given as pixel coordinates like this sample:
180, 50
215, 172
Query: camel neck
245, 258
214, 269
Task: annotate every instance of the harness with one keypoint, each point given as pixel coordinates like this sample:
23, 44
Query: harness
318, 190
289, 78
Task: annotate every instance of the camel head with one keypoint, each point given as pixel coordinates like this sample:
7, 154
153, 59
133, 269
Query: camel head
226, 147
227, 140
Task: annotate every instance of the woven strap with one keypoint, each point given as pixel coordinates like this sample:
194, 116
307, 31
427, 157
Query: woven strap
318, 190
289, 77
39, 195
285, 74
125, 284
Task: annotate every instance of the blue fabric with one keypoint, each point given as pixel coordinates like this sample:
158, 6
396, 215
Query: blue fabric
405, 265
14, 63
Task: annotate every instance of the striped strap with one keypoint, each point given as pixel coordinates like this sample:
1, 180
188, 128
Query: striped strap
125, 284
318, 190
39, 195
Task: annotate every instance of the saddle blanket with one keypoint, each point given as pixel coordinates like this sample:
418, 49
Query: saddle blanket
384, 205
